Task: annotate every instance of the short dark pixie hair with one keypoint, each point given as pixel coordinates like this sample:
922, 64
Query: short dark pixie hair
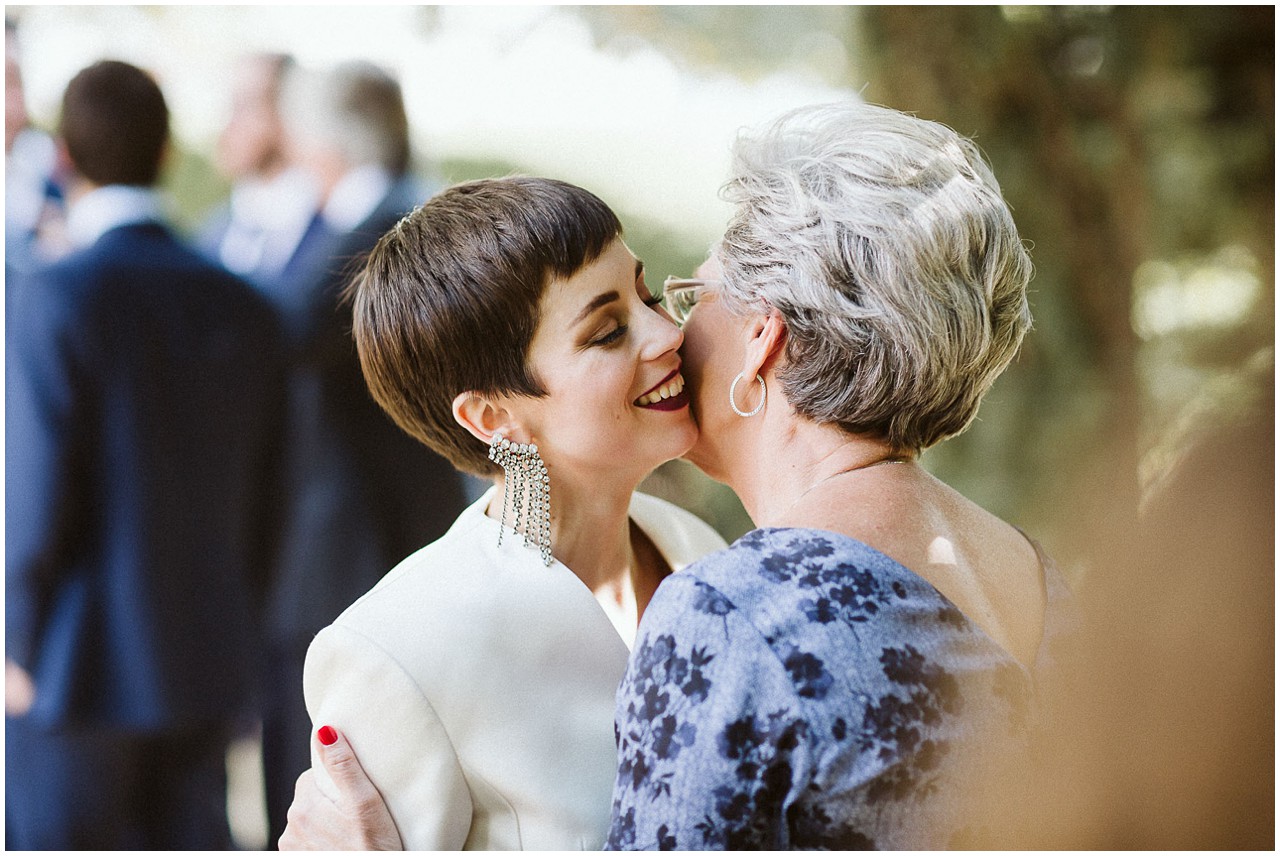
115, 124
447, 302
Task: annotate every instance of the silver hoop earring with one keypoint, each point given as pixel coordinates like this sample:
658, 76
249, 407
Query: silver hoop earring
733, 394
526, 493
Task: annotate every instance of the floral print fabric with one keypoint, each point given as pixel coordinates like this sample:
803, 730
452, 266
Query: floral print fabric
802, 690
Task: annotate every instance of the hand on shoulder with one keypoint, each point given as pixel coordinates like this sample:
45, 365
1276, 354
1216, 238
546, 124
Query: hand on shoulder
358, 819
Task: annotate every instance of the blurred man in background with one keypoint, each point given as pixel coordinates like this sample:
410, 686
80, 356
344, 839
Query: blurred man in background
362, 494
33, 198
143, 425
272, 202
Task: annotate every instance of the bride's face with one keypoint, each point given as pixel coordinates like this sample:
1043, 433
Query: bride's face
606, 353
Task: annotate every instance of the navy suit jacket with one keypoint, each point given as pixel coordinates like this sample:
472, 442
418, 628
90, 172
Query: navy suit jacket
363, 494
145, 394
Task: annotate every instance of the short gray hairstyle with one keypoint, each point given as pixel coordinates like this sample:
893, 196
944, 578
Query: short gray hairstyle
355, 107
884, 242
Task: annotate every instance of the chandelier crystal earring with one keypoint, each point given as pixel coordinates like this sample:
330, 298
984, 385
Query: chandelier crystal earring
526, 493
733, 394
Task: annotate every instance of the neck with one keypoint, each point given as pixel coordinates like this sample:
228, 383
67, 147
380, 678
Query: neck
590, 530
78, 188
790, 462
328, 174
271, 167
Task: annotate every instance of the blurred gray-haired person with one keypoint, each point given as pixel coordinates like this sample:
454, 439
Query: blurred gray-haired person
361, 493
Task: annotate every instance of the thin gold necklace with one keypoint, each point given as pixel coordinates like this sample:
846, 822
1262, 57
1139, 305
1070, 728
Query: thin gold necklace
892, 459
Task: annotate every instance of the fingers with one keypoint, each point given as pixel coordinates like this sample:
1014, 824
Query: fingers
357, 819
366, 823
290, 840
304, 792
344, 767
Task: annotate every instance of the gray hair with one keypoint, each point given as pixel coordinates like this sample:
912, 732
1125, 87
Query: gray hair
356, 107
884, 242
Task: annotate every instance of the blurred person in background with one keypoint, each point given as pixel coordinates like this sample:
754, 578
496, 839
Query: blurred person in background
143, 420
361, 494
272, 202
33, 197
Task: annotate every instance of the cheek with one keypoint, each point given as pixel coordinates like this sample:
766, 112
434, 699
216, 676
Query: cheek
585, 407
700, 365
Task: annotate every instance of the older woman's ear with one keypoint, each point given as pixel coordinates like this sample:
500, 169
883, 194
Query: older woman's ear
766, 339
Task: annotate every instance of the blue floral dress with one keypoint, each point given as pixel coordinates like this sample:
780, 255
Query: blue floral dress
802, 690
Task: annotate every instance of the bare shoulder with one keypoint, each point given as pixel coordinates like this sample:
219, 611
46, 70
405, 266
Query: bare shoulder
982, 564
997, 575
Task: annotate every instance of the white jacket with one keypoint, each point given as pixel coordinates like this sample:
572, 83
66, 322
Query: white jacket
477, 687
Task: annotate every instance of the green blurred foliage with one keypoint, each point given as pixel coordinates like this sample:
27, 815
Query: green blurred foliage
193, 185
751, 41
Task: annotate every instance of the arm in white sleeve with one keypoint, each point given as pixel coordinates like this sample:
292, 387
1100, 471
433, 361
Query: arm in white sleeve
354, 685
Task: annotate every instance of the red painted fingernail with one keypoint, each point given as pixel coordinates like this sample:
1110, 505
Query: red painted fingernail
327, 735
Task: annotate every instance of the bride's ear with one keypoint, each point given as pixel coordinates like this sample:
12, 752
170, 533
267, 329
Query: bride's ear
481, 415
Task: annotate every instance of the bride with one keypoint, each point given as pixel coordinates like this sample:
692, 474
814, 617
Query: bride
506, 324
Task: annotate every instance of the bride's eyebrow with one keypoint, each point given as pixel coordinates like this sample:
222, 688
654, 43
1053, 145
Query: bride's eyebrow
604, 299
598, 301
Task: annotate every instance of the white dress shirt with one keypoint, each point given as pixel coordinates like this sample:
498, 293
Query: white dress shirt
356, 196
105, 208
266, 222
35, 217
477, 687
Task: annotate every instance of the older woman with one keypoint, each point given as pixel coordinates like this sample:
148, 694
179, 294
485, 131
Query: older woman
832, 678
825, 681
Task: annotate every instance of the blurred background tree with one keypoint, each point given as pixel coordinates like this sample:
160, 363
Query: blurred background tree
1136, 147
